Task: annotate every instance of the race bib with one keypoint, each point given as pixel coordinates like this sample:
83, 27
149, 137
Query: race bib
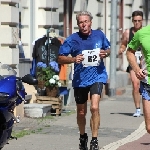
138, 56
91, 57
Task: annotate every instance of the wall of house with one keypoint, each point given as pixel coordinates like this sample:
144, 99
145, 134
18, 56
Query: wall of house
9, 18
36, 17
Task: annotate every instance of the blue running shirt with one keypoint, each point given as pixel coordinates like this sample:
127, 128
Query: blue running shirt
74, 45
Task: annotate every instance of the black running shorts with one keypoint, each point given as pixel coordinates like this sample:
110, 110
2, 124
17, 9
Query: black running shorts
81, 93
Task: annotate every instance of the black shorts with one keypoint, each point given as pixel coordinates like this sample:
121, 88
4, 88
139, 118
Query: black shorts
81, 93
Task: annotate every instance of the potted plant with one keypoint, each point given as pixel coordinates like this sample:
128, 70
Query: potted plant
48, 78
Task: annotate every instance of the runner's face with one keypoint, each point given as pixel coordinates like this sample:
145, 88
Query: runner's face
137, 22
84, 24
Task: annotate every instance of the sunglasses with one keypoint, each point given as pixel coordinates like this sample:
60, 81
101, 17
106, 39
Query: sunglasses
137, 20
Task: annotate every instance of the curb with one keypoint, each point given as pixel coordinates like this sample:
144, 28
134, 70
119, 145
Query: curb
132, 137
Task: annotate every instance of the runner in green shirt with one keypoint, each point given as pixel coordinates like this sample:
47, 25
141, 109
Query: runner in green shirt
142, 39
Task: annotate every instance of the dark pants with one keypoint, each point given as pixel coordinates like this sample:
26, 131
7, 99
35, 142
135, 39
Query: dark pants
81, 93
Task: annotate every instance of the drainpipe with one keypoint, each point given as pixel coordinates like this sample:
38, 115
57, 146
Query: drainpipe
147, 8
105, 17
32, 24
65, 17
121, 5
113, 35
70, 17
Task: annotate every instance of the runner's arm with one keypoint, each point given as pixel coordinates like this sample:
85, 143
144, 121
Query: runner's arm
132, 59
135, 66
105, 49
124, 42
66, 59
65, 52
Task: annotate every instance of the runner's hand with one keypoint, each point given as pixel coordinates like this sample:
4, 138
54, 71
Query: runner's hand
120, 51
79, 58
102, 54
140, 74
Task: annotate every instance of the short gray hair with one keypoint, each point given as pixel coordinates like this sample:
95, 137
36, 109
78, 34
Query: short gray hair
84, 13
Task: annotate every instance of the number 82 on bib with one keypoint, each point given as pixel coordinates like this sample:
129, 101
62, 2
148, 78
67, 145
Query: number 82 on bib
91, 57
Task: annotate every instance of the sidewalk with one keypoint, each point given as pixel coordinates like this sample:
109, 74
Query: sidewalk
118, 127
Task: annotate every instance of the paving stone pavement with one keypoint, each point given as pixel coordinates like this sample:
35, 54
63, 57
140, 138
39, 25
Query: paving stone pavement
118, 127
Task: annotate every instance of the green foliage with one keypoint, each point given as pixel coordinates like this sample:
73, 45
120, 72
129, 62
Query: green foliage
21, 133
45, 74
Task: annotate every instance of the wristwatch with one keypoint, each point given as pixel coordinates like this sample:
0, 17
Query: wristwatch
106, 54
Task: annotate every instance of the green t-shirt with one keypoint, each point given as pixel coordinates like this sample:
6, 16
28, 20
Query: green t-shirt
142, 39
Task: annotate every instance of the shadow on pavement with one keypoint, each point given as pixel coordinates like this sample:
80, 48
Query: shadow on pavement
126, 114
145, 143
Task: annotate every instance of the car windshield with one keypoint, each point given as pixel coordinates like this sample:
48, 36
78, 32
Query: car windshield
6, 70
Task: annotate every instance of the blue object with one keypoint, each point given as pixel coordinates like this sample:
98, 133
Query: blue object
74, 45
41, 64
33, 69
12, 93
63, 91
9, 99
54, 65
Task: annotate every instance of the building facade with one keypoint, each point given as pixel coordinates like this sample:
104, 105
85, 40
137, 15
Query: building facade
30, 19
27, 20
